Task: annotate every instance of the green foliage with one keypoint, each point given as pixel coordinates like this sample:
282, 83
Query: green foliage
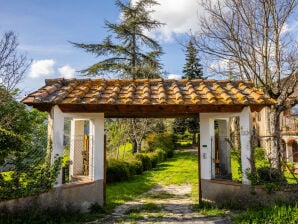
161, 147
192, 68
117, 170
164, 141
9, 142
36, 179
179, 126
145, 159
278, 213
162, 155
191, 125
130, 52
236, 165
23, 138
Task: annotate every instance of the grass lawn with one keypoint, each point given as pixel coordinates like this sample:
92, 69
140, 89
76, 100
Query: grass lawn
181, 169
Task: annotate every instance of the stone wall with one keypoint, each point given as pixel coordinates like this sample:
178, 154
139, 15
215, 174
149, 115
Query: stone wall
227, 192
80, 195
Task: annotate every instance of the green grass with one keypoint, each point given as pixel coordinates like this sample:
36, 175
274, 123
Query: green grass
209, 209
278, 213
181, 169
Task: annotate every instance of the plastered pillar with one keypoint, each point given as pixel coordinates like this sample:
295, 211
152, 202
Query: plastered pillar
76, 147
96, 153
245, 139
207, 146
55, 134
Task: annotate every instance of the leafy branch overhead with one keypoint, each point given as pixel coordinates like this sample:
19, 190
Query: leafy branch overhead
129, 52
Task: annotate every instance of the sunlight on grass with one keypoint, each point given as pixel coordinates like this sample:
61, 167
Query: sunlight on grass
278, 213
181, 169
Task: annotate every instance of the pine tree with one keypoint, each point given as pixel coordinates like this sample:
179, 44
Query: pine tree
130, 53
192, 68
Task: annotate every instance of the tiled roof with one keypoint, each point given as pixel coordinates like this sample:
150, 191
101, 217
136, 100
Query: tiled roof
154, 92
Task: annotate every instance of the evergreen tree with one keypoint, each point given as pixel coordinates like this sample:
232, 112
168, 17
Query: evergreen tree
192, 68
129, 53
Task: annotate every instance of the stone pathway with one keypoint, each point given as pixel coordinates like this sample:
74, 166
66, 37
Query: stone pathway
162, 204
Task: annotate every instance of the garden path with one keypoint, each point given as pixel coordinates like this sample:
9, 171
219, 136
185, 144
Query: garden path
162, 204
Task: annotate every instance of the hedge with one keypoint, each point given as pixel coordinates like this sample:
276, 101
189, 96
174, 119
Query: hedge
120, 170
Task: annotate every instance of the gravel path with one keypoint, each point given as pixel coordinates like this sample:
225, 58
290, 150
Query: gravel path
162, 204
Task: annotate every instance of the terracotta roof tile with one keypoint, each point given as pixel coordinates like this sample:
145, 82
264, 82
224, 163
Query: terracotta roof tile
146, 92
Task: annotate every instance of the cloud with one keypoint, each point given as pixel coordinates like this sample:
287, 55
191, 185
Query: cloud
180, 17
66, 71
174, 76
41, 68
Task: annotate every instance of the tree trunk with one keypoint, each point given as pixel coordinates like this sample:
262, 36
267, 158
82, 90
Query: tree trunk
194, 138
275, 144
139, 146
235, 132
134, 146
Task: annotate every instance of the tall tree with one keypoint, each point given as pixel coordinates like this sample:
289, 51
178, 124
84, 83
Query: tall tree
130, 52
253, 35
192, 68
13, 65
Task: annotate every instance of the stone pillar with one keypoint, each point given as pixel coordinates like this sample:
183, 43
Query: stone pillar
55, 134
207, 146
245, 139
76, 147
96, 151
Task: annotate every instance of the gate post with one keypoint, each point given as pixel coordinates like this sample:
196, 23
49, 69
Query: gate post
55, 135
245, 140
96, 152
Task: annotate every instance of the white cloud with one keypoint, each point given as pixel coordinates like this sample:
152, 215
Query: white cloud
174, 76
66, 71
41, 68
180, 17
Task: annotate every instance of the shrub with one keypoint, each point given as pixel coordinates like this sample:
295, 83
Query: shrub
164, 141
135, 166
145, 159
154, 158
269, 175
162, 155
117, 170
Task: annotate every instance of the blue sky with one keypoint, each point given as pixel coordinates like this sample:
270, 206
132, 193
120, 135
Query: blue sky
45, 27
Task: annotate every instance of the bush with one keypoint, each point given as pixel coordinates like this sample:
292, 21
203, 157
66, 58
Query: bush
117, 170
162, 155
145, 159
269, 175
135, 166
153, 158
164, 141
